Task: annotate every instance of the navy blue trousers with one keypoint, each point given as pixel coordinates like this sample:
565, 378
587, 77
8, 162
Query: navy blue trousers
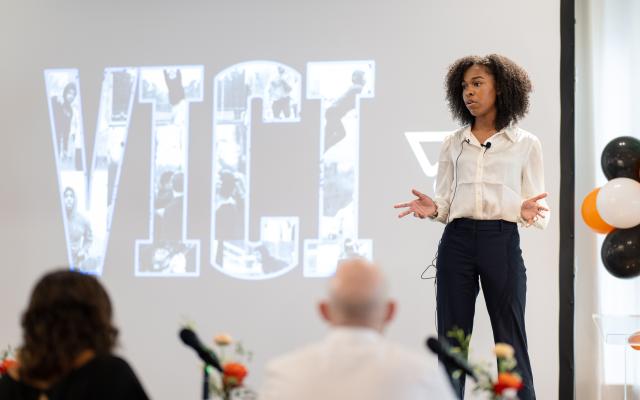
474, 252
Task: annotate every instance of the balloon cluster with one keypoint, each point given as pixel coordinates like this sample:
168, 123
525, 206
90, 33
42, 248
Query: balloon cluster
614, 209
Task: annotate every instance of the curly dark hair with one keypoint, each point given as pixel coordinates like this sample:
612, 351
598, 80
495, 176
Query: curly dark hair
68, 313
512, 86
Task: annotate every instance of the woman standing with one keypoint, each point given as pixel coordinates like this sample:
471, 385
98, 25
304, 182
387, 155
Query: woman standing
490, 179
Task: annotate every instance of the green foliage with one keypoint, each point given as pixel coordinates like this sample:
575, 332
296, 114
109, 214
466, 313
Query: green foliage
486, 380
242, 351
463, 340
8, 353
506, 364
462, 349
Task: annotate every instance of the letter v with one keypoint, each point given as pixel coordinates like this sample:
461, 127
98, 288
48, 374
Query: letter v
88, 196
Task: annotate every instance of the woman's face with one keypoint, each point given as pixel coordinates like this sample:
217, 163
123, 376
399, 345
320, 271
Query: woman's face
478, 91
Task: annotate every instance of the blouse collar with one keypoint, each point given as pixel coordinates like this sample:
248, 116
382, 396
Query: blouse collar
511, 132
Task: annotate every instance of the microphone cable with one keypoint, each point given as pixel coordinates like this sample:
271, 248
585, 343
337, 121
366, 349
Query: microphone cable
433, 263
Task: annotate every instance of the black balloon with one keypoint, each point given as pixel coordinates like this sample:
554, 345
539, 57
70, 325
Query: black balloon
621, 252
621, 158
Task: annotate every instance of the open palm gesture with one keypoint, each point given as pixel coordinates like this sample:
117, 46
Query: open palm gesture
530, 210
421, 207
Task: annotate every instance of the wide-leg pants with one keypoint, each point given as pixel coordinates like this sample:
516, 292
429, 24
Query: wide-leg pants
487, 251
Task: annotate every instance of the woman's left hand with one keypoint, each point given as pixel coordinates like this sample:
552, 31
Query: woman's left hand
531, 210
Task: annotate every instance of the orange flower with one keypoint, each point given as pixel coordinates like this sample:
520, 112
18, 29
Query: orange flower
234, 374
507, 380
7, 364
223, 339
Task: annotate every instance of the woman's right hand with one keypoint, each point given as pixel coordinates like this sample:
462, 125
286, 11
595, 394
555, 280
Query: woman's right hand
421, 207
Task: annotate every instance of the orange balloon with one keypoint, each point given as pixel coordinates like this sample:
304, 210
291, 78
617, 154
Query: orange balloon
634, 341
591, 216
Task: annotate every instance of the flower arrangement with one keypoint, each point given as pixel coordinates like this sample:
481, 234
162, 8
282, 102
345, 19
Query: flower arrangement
7, 361
508, 382
230, 382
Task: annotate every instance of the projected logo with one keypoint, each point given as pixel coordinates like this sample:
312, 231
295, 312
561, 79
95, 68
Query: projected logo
88, 196
418, 141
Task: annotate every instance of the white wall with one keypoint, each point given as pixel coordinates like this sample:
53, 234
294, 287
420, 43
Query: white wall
412, 43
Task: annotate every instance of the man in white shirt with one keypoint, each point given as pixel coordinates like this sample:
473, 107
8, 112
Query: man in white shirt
355, 361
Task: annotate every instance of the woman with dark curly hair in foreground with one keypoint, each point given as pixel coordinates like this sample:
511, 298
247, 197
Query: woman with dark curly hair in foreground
68, 339
490, 179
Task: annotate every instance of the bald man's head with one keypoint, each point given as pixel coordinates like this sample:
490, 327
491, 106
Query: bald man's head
358, 296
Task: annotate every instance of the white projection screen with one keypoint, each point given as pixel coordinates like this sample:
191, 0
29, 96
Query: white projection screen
212, 161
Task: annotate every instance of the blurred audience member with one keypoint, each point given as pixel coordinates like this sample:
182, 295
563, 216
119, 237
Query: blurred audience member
355, 361
69, 337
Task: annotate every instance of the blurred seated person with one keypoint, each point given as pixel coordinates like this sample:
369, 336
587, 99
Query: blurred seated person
354, 361
68, 339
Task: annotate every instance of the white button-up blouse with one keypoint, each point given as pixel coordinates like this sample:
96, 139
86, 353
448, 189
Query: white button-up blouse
491, 183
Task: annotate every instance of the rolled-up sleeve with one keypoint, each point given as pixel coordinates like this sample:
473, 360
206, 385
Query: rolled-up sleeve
533, 182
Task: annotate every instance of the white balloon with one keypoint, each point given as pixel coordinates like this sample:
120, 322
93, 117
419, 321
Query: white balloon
618, 203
